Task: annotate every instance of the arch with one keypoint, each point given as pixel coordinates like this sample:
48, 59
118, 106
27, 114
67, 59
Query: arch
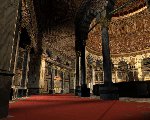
82, 28
84, 18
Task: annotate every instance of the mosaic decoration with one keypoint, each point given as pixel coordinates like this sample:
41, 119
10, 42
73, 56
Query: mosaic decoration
62, 40
89, 59
29, 21
137, 4
126, 35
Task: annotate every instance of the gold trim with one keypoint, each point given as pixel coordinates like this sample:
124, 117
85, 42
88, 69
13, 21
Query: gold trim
119, 55
130, 14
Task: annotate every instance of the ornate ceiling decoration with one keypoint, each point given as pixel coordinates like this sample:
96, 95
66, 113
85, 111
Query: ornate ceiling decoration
55, 19
127, 35
134, 6
28, 21
56, 22
61, 39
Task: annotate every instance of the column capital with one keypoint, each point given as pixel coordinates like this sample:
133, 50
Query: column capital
78, 53
104, 22
53, 67
43, 57
28, 48
102, 16
63, 70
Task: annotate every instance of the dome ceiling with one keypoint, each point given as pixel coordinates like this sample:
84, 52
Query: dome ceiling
62, 40
55, 20
127, 34
134, 6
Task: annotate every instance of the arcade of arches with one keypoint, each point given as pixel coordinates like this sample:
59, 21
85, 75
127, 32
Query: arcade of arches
73, 46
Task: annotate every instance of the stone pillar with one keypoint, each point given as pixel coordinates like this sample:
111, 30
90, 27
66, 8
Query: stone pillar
72, 78
18, 91
42, 73
85, 92
25, 69
77, 89
15, 55
69, 80
8, 21
139, 67
5, 85
34, 74
25, 74
107, 91
83, 67
51, 91
93, 77
116, 73
106, 56
63, 76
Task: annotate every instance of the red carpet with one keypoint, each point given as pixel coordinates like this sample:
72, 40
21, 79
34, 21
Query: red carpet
67, 107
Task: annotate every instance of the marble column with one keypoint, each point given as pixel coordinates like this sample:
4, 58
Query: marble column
106, 56
5, 85
25, 73
83, 67
77, 88
85, 92
62, 85
34, 74
25, 69
107, 91
69, 81
8, 20
116, 73
93, 75
51, 91
93, 78
19, 73
139, 67
15, 55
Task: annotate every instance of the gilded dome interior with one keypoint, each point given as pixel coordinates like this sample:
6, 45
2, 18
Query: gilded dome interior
129, 33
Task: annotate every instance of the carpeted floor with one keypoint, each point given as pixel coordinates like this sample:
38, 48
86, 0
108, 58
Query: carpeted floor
69, 107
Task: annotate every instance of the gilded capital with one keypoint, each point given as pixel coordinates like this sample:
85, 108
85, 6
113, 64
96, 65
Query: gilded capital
104, 22
78, 53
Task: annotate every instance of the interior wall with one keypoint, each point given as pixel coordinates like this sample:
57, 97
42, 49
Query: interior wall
134, 63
